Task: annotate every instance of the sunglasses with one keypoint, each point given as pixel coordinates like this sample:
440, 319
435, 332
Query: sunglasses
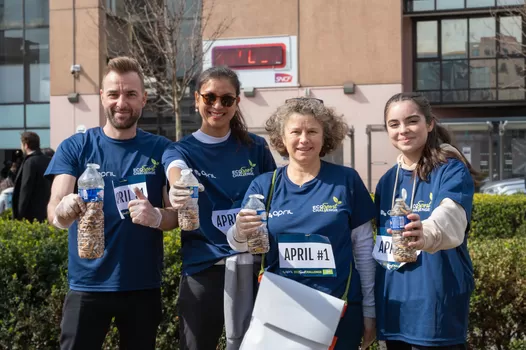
226, 100
303, 99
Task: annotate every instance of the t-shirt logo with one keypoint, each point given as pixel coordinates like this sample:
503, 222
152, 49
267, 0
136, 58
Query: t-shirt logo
422, 206
147, 170
245, 171
326, 207
204, 173
278, 213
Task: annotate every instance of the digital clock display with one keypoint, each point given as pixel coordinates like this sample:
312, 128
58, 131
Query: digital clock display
249, 56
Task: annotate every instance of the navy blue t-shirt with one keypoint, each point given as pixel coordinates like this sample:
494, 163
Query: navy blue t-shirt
226, 170
332, 204
426, 302
133, 254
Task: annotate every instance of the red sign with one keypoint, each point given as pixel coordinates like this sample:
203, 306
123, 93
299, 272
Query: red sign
282, 78
250, 56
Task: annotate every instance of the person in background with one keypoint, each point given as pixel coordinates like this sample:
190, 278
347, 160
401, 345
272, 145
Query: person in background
125, 284
48, 152
6, 194
424, 304
225, 158
317, 201
32, 190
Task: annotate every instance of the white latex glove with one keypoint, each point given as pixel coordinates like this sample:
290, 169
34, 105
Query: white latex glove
369, 332
180, 194
142, 212
247, 223
68, 210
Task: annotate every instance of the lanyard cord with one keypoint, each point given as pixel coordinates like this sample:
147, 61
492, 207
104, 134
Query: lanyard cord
413, 192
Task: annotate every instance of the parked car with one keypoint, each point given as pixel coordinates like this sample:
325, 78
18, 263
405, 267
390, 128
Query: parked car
508, 186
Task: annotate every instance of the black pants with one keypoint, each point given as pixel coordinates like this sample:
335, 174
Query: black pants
400, 345
87, 315
200, 305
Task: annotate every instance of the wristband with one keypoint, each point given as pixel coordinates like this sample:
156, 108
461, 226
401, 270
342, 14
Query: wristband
235, 238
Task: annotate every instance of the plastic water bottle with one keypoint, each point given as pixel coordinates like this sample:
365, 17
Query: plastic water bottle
401, 251
90, 233
189, 214
258, 242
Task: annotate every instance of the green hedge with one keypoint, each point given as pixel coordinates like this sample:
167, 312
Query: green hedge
33, 271
498, 216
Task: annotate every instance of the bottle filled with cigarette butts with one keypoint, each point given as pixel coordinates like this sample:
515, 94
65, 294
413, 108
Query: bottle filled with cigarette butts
189, 214
401, 250
90, 232
258, 242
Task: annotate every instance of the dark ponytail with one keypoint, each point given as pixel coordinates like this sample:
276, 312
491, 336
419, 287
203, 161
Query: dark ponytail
432, 155
238, 125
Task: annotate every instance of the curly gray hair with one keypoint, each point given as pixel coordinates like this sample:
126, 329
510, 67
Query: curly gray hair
334, 127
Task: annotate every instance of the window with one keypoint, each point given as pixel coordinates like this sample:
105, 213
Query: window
24, 70
478, 59
455, 5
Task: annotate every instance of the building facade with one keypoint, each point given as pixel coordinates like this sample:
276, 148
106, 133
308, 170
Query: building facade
466, 56
24, 73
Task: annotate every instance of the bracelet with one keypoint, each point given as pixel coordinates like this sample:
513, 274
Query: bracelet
235, 239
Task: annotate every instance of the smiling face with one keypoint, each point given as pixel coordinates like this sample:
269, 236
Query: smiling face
216, 116
303, 138
123, 99
407, 128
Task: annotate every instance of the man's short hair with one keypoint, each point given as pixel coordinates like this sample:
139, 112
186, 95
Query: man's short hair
31, 139
124, 64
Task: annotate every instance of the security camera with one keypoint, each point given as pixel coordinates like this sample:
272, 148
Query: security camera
75, 69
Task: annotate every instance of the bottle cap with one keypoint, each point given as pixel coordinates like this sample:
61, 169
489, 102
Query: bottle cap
93, 166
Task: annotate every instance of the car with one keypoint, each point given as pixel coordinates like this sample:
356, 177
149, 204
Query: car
508, 186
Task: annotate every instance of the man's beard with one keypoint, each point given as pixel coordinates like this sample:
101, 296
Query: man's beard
125, 124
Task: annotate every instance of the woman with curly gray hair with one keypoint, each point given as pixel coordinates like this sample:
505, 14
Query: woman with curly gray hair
316, 202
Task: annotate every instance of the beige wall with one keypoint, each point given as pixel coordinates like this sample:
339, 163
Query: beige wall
89, 52
339, 41
249, 18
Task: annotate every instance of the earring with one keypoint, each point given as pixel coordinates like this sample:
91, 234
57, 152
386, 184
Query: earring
196, 109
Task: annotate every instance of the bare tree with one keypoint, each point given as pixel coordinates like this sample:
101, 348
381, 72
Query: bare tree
165, 36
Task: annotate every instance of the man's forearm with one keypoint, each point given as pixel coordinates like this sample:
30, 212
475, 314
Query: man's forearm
57, 221
53, 202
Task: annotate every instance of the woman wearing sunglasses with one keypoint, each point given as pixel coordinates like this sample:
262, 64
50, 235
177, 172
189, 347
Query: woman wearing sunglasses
317, 204
225, 158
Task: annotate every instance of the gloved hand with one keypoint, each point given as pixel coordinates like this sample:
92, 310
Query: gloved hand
68, 210
142, 212
247, 223
180, 194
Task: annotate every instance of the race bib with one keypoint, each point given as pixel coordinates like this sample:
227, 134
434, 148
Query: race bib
383, 251
223, 220
123, 191
306, 255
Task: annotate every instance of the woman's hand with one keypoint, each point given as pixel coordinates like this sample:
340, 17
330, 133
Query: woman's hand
247, 223
369, 332
414, 229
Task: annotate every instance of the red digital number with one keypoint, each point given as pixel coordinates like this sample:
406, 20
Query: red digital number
249, 56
